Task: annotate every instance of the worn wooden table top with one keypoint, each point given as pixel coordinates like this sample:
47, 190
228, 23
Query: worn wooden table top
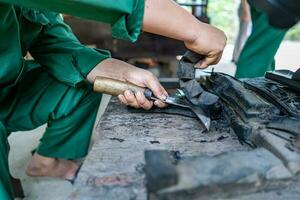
114, 167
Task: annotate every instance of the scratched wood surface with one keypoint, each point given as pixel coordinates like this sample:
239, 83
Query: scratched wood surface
113, 169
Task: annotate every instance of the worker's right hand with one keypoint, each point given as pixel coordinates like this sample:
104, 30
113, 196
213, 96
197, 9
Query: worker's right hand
119, 70
210, 43
146, 79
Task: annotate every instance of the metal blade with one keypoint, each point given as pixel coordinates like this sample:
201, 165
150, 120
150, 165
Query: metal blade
202, 116
177, 102
180, 100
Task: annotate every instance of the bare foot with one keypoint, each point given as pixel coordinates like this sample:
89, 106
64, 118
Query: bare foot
45, 166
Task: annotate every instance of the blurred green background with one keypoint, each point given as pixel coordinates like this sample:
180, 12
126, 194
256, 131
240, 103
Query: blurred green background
223, 14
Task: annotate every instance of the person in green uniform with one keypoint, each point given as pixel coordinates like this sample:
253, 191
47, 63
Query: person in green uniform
259, 51
55, 87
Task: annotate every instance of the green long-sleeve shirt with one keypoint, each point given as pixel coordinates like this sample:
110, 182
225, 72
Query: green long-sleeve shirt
51, 42
30, 26
125, 16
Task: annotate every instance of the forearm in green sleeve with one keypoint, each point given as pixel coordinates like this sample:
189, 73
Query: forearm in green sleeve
125, 16
61, 54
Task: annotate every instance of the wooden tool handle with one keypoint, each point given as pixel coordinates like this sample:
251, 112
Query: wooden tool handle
114, 87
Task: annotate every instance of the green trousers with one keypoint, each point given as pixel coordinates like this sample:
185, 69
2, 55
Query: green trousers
257, 56
38, 99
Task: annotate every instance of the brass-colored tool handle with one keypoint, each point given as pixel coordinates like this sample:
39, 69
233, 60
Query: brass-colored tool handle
114, 87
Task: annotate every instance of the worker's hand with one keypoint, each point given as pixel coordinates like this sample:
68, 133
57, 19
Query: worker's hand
169, 19
116, 69
210, 43
146, 79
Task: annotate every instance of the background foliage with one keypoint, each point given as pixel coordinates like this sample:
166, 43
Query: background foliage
223, 14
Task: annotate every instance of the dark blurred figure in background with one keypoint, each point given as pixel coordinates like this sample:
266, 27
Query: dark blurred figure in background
257, 55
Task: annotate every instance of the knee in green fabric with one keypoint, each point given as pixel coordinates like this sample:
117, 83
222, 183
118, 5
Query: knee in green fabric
68, 137
40, 98
70, 101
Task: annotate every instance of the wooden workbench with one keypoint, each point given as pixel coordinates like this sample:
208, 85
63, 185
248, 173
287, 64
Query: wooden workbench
114, 167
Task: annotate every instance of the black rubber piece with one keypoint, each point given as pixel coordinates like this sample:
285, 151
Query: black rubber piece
283, 98
211, 104
191, 88
296, 75
285, 77
282, 14
186, 71
207, 99
160, 171
172, 110
291, 125
192, 57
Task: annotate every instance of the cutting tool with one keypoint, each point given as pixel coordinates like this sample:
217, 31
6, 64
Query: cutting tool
116, 87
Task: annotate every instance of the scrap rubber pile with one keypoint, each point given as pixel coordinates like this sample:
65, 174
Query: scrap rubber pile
264, 114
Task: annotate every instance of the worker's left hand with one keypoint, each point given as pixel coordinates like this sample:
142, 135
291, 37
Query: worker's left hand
119, 70
169, 19
210, 43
